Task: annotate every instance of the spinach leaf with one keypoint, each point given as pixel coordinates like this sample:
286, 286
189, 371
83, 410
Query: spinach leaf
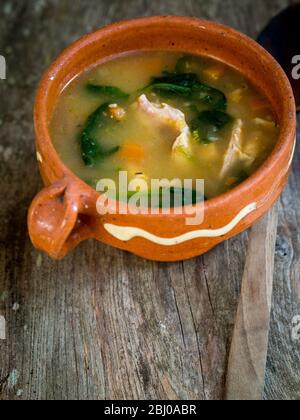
188, 86
210, 96
207, 125
111, 91
168, 88
183, 79
91, 149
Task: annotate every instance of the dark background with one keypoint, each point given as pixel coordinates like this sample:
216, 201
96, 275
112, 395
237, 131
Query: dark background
103, 323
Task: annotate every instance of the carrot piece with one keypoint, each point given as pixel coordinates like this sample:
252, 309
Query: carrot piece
132, 152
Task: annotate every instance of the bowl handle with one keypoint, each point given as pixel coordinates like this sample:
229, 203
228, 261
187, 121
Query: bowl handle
53, 220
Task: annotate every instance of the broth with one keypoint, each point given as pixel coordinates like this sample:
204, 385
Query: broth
199, 119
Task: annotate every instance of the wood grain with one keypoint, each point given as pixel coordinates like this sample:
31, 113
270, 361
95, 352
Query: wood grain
248, 354
103, 324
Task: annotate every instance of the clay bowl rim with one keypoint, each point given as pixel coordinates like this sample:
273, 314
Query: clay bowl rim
287, 125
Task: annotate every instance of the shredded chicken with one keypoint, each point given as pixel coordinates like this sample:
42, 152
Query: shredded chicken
235, 151
166, 115
183, 142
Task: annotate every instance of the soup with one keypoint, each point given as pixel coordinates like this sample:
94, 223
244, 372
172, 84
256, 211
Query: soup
163, 115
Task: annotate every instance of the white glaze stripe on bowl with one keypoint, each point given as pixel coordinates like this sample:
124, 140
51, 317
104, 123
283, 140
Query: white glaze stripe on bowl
128, 233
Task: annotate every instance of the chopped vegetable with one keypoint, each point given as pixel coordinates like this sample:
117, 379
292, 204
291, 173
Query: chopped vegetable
91, 149
183, 151
188, 86
206, 127
168, 88
182, 79
116, 112
132, 152
165, 117
210, 96
215, 72
110, 91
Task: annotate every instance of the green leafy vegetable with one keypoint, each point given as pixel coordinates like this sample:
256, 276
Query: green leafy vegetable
91, 149
183, 79
207, 125
182, 83
210, 96
168, 88
111, 91
188, 86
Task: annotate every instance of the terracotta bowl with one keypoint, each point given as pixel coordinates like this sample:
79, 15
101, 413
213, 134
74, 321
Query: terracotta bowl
64, 213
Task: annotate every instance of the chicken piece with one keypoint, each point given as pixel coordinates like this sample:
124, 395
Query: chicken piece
235, 153
183, 143
164, 114
171, 117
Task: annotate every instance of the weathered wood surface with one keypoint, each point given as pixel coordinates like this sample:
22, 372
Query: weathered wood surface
245, 379
103, 323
